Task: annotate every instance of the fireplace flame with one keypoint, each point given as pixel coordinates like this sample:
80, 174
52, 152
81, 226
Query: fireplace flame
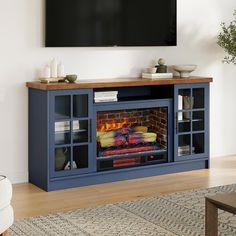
112, 126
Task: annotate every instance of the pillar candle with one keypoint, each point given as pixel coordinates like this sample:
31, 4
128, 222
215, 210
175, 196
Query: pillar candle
60, 70
47, 71
54, 68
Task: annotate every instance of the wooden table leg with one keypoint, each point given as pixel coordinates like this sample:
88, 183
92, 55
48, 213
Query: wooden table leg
211, 219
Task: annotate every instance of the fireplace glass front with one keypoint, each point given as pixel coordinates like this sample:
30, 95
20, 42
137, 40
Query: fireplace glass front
131, 137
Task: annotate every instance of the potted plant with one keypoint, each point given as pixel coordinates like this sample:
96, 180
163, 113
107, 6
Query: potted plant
227, 40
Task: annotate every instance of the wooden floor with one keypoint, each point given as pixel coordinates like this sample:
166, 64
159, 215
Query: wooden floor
29, 200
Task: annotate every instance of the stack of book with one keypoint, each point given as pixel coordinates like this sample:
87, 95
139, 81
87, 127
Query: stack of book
157, 76
185, 150
64, 126
106, 96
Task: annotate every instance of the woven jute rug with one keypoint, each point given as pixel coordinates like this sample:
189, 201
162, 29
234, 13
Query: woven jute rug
180, 214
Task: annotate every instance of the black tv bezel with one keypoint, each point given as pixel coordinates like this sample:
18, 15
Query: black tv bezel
48, 45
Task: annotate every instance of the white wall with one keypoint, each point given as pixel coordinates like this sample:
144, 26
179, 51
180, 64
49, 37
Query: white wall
22, 53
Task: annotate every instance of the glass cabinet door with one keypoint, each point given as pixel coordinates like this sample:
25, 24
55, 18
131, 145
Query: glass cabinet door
80, 157
80, 106
62, 107
62, 132
62, 120
80, 133
71, 142
62, 159
191, 109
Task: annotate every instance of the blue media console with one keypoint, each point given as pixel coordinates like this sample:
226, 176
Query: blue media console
65, 123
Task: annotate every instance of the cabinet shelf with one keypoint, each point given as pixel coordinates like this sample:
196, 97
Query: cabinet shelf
62, 132
62, 118
189, 120
79, 130
191, 132
62, 145
193, 109
79, 119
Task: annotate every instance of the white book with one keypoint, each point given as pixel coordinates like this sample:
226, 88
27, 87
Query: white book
75, 128
180, 107
157, 75
108, 98
105, 100
60, 129
76, 125
62, 123
65, 126
62, 126
180, 102
105, 94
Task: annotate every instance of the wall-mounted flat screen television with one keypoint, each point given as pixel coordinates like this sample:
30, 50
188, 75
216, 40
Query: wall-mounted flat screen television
88, 23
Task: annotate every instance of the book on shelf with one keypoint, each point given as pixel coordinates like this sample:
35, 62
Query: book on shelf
185, 150
157, 75
67, 129
96, 100
105, 94
76, 125
108, 97
63, 126
62, 123
180, 107
62, 129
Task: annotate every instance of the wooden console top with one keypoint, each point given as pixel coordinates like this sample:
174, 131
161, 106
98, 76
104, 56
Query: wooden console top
119, 82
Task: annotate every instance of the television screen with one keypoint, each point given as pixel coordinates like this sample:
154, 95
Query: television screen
81, 23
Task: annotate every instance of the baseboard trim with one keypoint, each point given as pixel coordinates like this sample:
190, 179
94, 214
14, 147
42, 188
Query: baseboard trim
17, 177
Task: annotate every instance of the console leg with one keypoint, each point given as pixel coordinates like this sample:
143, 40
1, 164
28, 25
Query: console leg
211, 219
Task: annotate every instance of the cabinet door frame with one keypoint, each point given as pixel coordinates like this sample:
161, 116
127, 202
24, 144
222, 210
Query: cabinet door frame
205, 154
91, 163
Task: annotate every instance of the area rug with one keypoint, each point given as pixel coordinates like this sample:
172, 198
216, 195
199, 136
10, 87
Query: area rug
180, 214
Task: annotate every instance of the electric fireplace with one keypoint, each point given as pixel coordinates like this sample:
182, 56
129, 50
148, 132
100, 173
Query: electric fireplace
132, 136
148, 128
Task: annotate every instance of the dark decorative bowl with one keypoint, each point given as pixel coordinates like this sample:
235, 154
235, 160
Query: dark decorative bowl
71, 78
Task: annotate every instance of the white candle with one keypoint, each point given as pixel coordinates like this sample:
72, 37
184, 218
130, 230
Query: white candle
54, 68
60, 70
47, 72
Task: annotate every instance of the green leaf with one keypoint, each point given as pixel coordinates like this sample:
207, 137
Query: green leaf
227, 40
